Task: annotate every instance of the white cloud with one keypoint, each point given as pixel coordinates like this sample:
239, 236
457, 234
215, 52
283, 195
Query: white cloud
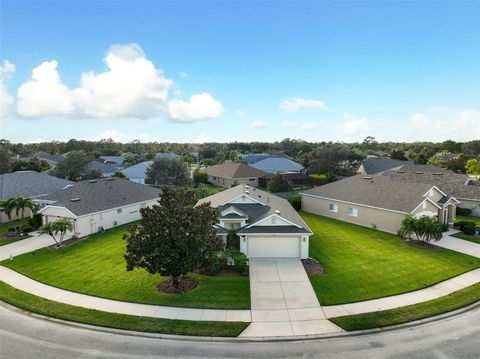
199, 107
440, 124
354, 124
183, 74
308, 126
131, 87
112, 134
289, 124
297, 104
6, 100
258, 124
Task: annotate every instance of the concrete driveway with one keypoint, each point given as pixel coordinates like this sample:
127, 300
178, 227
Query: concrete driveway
26, 245
283, 300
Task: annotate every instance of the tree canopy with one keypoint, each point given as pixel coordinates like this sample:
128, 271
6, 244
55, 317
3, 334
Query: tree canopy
168, 172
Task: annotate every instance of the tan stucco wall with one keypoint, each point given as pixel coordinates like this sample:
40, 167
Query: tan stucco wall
429, 207
384, 220
228, 182
4, 217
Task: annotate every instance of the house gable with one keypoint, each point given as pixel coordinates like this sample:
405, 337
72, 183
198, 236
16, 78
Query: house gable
244, 199
273, 220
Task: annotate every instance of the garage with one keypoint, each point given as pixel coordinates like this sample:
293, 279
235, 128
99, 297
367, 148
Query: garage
271, 246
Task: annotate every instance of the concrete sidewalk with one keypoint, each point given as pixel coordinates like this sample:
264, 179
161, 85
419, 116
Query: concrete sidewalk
26, 284
458, 245
26, 245
283, 300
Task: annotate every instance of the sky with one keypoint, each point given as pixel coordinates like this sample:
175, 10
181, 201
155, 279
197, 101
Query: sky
239, 71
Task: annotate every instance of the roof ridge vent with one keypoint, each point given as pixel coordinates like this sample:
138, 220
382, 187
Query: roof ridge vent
418, 172
400, 171
92, 181
438, 173
110, 179
247, 192
367, 177
277, 211
76, 199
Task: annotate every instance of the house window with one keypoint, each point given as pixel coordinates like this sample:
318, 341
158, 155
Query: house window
119, 211
333, 208
252, 179
352, 212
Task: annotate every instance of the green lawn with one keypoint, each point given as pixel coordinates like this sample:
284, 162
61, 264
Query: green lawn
467, 237
363, 264
476, 221
410, 313
53, 309
205, 190
96, 266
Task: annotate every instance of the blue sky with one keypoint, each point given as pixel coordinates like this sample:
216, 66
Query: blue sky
211, 71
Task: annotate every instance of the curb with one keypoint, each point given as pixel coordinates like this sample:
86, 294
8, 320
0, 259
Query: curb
398, 327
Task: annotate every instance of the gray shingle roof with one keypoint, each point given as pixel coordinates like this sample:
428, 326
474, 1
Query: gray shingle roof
268, 205
250, 159
272, 229
117, 160
137, 171
234, 170
376, 190
29, 184
106, 169
102, 194
277, 164
374, 165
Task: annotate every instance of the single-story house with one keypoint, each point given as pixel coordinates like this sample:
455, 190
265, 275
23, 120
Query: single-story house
29, 184
97, 205
107, 170
229, 174
380, 201
137, 173
461, 186
373, 165
278, 165
267, 225
255, 157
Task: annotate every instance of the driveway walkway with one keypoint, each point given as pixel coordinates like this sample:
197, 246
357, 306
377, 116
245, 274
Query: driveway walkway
458, 245
25, 245
283, 300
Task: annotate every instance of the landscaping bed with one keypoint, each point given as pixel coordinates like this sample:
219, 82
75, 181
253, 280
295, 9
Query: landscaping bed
72, 313
363, 264
96, 266
7, 238
410, 313
313, 267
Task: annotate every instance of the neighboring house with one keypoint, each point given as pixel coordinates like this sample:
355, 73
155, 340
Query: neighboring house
278, 165
374, 165
253, 158
52, 160
29, 184
116, 161
268, 226
296, 179
106, 169
167, 155
97, 205
382, 200
137, 173
229, 174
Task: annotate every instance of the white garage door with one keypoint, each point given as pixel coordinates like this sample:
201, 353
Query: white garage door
274, 247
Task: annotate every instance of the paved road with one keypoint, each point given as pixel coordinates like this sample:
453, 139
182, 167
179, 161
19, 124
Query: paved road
22, 336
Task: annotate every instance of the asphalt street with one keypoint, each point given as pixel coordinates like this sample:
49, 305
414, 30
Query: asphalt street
23, 336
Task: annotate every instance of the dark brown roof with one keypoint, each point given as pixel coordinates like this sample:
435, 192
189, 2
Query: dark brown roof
233, 170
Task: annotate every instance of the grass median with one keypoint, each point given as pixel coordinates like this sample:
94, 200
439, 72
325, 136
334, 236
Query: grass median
53, 309
410, 313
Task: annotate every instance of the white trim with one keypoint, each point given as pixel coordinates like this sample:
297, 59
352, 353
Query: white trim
232, 210
273, 215
426, 199
451, 198
438, 189
357, 204
65, 208
275, 234
335, 207
241, 195
469, 199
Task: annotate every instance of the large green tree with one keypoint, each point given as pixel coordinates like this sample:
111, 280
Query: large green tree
74, 167
168, 172
473, 168
173, 237
23, 204
279, 183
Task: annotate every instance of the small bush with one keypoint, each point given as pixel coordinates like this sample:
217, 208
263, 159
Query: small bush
296, 202
468, 228
464, 211
444, 227
26, 229
200, 177
239, 261
332, 177
35, 221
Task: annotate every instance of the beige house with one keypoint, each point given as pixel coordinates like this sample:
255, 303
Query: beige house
380, 201
230, 174
267, 225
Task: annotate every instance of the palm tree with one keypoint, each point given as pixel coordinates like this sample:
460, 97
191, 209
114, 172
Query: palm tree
59, 227
22, 204
8, 206
408, 227
430, 229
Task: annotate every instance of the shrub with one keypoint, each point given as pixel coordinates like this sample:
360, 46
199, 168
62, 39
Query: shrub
200, 177
318, 176
35, 221
239, 261
332, 177
296, 202
444, 227
464, 211
233, 241
279, 183
468, 228
26, 229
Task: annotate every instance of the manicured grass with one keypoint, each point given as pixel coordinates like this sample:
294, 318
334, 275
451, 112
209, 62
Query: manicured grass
363, 264
410, 313
205, 190
96, 266
468, 219
54, 309
467, 237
